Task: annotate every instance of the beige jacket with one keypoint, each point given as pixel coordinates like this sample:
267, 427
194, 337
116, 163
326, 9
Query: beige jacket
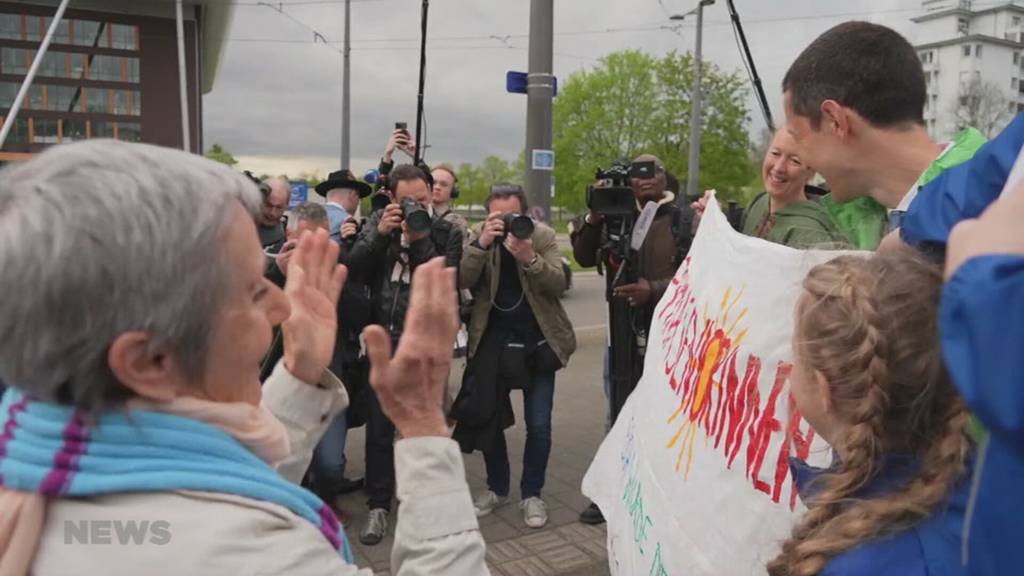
543, 284
220, 534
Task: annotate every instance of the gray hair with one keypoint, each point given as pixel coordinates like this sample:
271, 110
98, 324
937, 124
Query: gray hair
278, 184
308, 211
100, 238
338, 192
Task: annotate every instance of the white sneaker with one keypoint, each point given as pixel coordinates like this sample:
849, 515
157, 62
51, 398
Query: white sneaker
487, 502
535, 512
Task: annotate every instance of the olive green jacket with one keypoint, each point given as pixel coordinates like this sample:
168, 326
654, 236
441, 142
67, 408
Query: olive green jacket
543, 285
800, 225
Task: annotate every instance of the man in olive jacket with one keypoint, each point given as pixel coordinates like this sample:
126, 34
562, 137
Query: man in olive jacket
517, 320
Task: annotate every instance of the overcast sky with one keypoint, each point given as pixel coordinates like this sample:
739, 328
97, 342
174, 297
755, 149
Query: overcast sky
276, 104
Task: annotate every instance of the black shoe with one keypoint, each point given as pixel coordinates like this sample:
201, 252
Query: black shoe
348, 486
592, 515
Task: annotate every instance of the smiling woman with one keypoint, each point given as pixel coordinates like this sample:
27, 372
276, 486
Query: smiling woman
784, 213
133, 349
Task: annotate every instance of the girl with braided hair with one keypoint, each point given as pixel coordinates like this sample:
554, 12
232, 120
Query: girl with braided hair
869, 377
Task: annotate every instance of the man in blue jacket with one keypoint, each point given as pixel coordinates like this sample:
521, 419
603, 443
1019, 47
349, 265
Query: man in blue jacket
343, 193
982, 328
963, 191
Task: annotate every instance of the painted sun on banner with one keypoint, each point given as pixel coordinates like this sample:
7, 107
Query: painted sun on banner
717, 401
694, 477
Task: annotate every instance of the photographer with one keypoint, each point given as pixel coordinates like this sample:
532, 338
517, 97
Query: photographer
664, 247
389, 247
519, 335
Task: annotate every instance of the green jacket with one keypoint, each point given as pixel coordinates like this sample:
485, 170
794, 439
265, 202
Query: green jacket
801, 225
863, 220
543, 283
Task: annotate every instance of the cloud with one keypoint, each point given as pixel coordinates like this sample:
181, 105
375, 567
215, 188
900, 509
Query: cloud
282, 100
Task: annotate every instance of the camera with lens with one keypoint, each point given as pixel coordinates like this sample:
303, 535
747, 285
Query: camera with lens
416, 217
518, 225
612, 197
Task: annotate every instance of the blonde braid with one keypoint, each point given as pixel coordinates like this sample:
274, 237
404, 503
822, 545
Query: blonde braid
884, 309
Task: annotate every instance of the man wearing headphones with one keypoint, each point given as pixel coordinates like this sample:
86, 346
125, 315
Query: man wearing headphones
444, 191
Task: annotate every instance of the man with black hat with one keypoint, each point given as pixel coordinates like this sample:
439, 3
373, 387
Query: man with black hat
343, 192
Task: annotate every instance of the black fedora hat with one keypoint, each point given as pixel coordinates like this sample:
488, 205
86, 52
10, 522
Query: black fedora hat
343, 179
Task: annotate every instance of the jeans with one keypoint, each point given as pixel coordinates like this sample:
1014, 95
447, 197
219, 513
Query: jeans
537, 405
329, 455
380, 454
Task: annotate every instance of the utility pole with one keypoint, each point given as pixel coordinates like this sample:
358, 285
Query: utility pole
345, 87
693, 166
540, 88
179, 21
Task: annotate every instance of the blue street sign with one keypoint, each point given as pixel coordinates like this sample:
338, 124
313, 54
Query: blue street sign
516, 83
300, 194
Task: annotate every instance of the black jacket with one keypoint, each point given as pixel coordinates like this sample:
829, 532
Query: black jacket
378, 260
666, 245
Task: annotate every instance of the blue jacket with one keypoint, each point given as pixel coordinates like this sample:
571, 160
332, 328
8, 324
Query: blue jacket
963, 191
982, 330
336, 216
931, 548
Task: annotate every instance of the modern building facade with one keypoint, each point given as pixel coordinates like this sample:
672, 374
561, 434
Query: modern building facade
962, 42
111, 71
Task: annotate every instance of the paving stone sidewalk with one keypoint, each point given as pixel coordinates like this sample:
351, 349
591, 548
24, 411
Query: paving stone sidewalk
565, 546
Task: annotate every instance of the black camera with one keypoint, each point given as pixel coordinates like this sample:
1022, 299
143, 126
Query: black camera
518, 225
416, 217
612, 196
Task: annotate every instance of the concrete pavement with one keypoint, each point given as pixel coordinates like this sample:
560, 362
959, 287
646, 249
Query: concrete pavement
564, 546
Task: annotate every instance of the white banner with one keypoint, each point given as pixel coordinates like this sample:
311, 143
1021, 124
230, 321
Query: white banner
694, 476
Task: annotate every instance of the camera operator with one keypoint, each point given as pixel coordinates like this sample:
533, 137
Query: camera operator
519, 335
664, 247
389, 247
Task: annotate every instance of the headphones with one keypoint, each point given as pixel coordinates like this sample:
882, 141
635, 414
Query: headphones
455, 180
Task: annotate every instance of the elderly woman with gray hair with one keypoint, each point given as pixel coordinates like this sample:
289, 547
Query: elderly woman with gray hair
135, 320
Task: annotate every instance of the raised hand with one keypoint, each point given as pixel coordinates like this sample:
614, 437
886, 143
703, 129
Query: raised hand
410, 385
313, 287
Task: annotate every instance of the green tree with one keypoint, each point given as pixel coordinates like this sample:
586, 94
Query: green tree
217, 153
475, 181
634, 103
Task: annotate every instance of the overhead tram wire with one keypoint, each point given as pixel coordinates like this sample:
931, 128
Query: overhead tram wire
748, 62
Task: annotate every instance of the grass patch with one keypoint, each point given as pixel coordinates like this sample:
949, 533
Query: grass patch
573, 264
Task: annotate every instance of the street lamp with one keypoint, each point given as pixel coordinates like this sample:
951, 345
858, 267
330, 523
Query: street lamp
693, 168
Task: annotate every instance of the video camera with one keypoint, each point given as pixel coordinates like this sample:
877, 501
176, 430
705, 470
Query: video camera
612, 196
